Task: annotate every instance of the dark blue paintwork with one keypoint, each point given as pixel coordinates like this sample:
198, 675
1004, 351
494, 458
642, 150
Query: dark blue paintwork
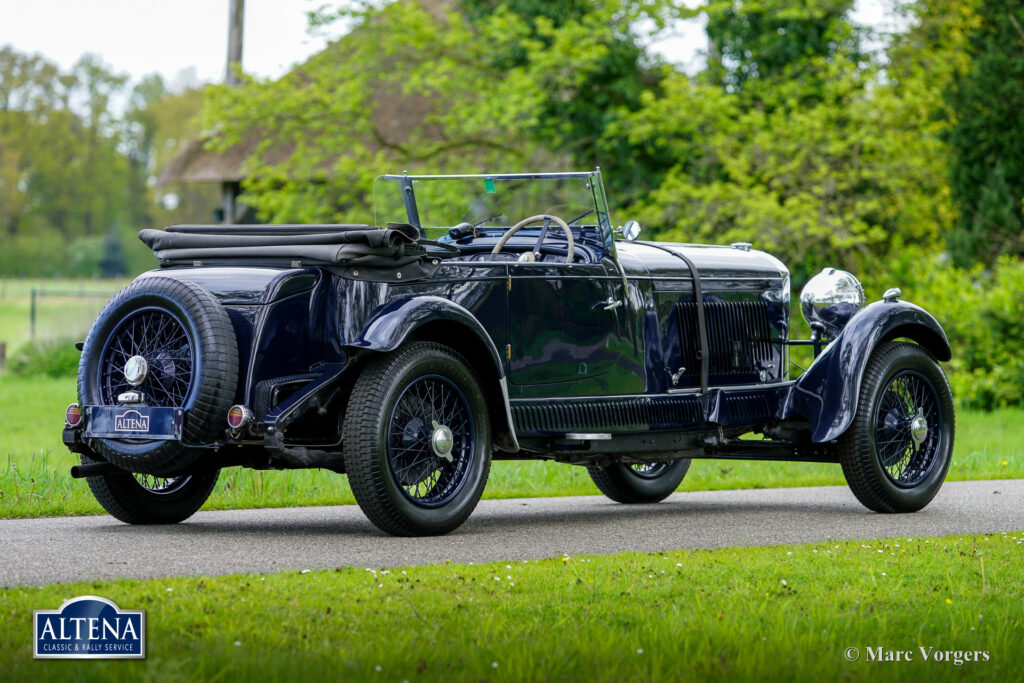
827, 393
392, 323
603, 329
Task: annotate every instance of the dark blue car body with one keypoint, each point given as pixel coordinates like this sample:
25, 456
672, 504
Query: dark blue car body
549, 353
635, 352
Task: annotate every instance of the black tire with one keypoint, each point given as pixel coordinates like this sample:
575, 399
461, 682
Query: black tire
637, 484
164, 501
400, 482
198, 362
884, 465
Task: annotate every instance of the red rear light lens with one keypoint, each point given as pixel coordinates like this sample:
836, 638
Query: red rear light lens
73, 415
238, 416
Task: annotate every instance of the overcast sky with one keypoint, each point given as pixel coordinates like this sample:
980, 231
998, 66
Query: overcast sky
171, 36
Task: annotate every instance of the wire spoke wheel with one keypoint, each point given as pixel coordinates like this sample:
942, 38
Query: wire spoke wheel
172, 343
162, 486
907, 428
634, 483
417, 440
896, 452
649, 470
430, 440
152, 345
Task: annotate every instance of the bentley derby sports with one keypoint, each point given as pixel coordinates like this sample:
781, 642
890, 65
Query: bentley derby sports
492, 317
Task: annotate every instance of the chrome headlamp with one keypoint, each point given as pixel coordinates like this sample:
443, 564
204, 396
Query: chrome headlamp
830, 299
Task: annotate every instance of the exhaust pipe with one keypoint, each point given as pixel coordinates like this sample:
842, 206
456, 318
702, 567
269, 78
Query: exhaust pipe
93, 469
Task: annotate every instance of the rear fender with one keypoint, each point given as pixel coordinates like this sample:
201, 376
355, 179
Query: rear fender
392, 324
828, 392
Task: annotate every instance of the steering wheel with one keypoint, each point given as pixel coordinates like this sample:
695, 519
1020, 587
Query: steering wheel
532, 255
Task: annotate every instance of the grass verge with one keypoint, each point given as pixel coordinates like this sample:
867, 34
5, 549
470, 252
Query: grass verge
66, 311
767, 614
34, 479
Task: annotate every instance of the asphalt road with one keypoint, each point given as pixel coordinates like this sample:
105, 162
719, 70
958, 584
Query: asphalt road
40, 551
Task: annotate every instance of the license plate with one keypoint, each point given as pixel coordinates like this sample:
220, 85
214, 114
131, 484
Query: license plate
133, 422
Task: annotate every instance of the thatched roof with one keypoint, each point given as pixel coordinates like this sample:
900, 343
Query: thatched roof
393, 117
195, 164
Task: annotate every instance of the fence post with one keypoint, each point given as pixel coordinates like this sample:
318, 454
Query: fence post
32, 315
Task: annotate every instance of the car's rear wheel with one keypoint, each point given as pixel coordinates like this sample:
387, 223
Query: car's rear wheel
146, 499
896, 453
417, 441
171, 341
639, 483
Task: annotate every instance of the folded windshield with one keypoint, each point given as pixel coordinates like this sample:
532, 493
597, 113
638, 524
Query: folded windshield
436, 203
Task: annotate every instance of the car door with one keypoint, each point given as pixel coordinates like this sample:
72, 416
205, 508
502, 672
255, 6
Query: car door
565, 324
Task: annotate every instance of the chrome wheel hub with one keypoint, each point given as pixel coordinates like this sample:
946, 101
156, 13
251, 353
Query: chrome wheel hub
919, 429
136, 370
442, 441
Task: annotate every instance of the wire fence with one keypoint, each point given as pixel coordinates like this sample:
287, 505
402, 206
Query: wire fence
56, 314
60, 314
48, 312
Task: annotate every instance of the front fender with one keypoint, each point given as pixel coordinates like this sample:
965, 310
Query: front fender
827, 393
392, 324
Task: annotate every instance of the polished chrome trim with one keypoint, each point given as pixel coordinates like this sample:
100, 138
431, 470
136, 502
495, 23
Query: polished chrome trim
588, 436
503, 383
892, 294
735, 387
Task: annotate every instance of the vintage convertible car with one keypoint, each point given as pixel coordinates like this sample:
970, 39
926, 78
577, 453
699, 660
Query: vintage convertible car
494, 317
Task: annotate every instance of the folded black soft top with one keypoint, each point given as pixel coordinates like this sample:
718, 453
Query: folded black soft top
381, 252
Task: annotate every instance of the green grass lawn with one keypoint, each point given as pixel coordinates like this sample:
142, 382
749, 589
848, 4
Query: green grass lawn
34, 465
57, 317
766, 614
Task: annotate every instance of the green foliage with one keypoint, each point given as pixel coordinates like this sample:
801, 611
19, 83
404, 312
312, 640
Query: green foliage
113, 263
49, 359
73, 172
775, 40
509, 85
987, 138
983, 315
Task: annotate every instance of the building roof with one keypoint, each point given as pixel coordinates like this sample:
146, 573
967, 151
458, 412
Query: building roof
393, 116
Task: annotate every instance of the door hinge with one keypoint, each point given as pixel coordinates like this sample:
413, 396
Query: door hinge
508, 352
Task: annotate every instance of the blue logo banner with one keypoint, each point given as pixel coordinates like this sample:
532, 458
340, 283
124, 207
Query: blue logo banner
89, 627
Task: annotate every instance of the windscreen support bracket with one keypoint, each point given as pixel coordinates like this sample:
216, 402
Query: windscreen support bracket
409, 198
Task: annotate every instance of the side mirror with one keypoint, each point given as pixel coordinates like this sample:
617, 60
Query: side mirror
630, 231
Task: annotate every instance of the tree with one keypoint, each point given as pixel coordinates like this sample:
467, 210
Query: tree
73, 170
987, 138
425, 87
804, 150
776, 41
578, 120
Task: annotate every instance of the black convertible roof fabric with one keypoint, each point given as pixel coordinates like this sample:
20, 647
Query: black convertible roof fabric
377, 253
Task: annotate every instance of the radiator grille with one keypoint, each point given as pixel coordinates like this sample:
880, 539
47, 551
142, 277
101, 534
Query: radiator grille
739, 339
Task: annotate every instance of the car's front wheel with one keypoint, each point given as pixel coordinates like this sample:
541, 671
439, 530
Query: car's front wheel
644, 483
896, 453
417, 443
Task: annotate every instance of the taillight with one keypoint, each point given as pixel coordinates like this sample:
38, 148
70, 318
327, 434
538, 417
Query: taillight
73, 415
238, 417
